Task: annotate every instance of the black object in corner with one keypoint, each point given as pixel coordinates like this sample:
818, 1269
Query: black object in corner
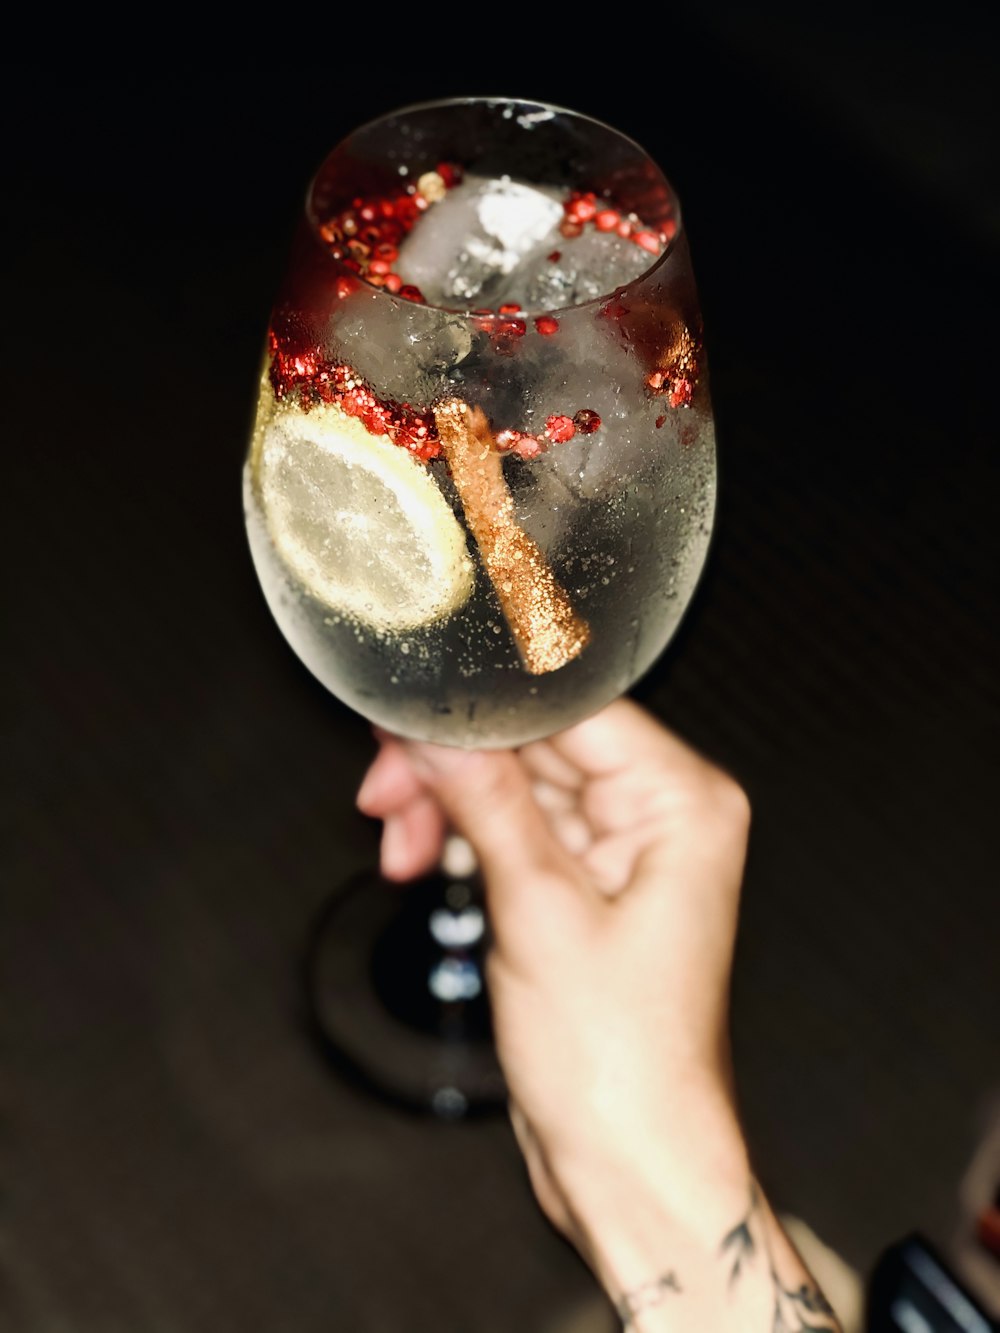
913, 1290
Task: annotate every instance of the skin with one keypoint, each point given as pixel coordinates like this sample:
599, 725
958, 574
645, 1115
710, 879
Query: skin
613, 855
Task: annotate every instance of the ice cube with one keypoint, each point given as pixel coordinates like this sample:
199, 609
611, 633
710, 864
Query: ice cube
481, 231
518, 217
589, 266
597, 372
405, 351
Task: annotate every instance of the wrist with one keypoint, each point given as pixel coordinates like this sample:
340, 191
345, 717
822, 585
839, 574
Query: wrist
655, 1206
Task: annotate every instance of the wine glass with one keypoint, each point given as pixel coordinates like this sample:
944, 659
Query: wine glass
479, 494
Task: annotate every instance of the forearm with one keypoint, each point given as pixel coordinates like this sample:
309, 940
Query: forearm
692, 1244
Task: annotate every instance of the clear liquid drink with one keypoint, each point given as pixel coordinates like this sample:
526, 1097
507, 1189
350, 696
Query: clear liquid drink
481, 483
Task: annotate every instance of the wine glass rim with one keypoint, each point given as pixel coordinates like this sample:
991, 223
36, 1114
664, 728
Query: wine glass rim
552, 109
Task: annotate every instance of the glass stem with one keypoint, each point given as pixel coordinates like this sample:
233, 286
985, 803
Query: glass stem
458, 926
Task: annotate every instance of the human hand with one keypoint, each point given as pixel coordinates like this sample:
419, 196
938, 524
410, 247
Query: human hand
612, 855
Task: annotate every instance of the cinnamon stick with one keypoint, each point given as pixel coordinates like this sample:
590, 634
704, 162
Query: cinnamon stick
547, 630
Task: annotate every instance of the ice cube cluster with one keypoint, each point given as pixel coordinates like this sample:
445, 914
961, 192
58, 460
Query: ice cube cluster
492, 242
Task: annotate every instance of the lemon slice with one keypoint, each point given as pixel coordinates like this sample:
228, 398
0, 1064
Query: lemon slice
359, 522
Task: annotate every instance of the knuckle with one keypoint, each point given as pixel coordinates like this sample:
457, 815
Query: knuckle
729, 800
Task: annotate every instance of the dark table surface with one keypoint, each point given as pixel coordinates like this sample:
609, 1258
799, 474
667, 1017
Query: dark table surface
180, 791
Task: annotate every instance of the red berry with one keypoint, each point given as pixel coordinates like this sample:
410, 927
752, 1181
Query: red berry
450, 172
648, 240
681, 394
581, 207
529, 447
559, 429
586, 421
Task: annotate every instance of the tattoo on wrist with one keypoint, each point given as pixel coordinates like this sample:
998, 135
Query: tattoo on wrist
632, 1303
802, 1309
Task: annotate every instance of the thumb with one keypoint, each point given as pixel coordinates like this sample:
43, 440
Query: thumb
487, 797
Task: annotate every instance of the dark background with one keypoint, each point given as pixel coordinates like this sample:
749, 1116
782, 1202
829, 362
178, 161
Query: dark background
180, 791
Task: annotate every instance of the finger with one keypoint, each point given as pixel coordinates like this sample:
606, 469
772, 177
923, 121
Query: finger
412, 839
544, 762
573, 832
487, 796
638, 772
562, 807
611, 860
620, 736
553, 799
390, 782
566, 821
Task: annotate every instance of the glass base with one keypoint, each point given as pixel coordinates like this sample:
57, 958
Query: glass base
396, 994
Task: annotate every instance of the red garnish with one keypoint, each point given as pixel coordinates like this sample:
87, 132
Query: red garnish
581, 207
450, 172
681, 394
586, 421
312, 379
559, 429
366, 236
504, 341
676, 373
528, 446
